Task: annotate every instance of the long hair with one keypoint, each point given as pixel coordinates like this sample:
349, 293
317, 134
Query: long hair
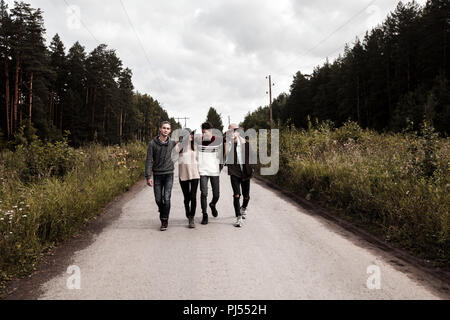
192, 133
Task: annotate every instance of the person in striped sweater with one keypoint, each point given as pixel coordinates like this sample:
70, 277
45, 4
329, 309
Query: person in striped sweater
210, 164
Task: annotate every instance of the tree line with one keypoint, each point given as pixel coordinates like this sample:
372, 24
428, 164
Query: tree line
90, 95
393, 79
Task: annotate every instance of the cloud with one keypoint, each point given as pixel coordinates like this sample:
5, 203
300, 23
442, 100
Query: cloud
203, 53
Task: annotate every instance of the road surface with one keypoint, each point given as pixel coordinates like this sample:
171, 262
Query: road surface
282, 252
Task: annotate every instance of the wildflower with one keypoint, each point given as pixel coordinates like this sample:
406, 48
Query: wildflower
2, 219
24, 216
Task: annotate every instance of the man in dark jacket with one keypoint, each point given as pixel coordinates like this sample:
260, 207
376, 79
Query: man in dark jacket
240, 170
159, 171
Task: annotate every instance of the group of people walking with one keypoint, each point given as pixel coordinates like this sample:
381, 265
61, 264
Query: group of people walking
200, 161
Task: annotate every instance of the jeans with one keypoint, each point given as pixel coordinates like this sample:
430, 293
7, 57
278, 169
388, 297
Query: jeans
215, 185
236, 184
163, 192
189, 189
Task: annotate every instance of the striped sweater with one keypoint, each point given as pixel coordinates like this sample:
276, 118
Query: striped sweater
209, 158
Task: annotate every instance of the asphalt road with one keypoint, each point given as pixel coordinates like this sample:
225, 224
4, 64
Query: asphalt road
282, 252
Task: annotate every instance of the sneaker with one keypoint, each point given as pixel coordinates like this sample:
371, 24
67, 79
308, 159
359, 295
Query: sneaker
205, 219
191, 223
214, 210
238, 222
164, 225
244, 213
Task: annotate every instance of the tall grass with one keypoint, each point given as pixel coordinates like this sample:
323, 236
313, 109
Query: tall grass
396, 185
49, 191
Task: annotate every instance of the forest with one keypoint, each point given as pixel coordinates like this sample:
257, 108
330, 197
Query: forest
391, 80
54, 92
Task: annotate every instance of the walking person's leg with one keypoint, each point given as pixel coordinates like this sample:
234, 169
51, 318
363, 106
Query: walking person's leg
193, 196
215, 186
167, 185
236, 186
193, 199
246, 194
185, 187
204, 198
159, 198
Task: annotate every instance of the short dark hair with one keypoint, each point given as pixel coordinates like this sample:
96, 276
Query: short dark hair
207, 126
164, 123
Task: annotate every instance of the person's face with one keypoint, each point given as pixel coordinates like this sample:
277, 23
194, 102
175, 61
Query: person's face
206, 134
233, 133
165, 130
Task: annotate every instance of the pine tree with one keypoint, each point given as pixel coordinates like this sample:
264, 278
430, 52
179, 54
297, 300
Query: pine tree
5, 35
58, 82
215, 119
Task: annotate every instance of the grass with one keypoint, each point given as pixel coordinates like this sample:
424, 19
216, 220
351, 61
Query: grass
48, 192
395, 185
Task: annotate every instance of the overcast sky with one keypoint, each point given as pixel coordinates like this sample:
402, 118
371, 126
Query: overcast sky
201, 53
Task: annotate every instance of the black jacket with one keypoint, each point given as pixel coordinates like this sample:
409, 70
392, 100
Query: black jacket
159, 158
234, 169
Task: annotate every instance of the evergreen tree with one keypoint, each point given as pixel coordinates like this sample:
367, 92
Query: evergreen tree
215, 119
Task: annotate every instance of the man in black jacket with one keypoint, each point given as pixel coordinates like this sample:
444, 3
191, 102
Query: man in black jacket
240, 170
159, 171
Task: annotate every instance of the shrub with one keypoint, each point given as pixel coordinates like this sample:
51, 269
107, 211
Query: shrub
49, 191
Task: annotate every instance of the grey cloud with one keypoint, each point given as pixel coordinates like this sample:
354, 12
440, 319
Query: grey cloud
214, 53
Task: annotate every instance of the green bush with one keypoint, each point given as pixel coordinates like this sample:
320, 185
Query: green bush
49, 191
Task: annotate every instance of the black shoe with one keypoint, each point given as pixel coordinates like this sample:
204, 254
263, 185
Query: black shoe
205, 219
191, 223
214, 210
164, 225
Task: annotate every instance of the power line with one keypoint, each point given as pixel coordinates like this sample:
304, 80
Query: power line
329, 35
83, 24
139, 40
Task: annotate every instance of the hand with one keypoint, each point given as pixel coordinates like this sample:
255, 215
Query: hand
150, 182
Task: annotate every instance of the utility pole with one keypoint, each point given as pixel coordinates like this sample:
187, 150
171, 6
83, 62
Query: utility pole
270, 99
229, 121
185, 121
